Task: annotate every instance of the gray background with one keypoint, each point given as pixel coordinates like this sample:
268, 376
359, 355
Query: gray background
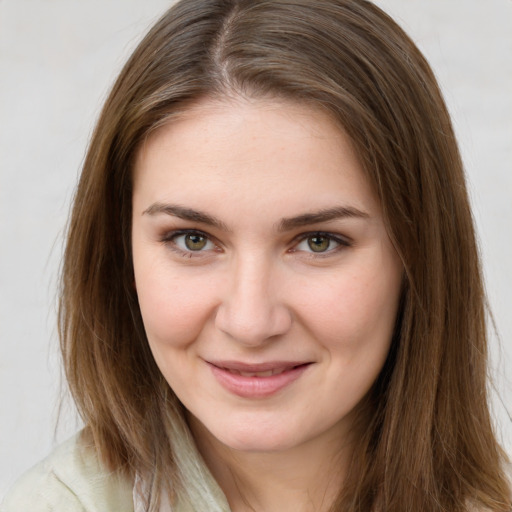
57, 61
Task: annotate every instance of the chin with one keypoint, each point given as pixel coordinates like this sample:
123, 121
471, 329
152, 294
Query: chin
257, 444
256, 437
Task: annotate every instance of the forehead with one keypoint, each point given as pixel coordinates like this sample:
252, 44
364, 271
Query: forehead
236, 148
243, 119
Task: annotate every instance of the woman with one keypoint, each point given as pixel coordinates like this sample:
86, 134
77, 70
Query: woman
271, 294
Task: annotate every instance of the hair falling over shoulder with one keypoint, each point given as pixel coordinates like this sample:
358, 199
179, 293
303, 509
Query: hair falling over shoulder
425, 435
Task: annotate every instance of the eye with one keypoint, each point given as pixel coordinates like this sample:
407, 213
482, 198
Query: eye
320, 243
194, 241
189, 241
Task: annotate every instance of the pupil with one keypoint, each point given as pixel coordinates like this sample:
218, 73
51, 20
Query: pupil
318, 243
195, 242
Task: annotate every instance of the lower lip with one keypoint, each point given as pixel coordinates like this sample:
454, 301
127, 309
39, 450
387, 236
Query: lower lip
256, 387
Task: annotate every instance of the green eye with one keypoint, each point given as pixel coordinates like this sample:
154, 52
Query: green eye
189, 242
319, 243
195, 242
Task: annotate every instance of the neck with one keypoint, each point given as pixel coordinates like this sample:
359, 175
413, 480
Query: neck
305, 478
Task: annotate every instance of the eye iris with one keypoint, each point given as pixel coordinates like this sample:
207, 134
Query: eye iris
195, 242
318, 243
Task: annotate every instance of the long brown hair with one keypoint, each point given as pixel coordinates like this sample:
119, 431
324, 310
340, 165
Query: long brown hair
426, 439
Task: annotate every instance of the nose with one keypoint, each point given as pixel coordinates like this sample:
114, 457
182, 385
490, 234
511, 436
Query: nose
253, 310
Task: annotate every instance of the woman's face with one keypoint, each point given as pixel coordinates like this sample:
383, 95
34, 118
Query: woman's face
266, 279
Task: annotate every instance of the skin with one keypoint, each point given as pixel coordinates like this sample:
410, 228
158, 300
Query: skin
254, 290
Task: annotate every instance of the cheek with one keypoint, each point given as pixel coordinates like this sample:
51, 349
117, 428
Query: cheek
174, 308
354, 324
354, 314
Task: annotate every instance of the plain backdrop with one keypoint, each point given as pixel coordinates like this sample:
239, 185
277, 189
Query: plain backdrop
58, 59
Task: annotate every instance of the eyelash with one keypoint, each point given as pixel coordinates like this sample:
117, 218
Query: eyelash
169, 240
342, 243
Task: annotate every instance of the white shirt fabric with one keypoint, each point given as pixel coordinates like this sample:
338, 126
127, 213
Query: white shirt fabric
71, 479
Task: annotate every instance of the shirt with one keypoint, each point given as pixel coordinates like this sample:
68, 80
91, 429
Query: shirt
71, 479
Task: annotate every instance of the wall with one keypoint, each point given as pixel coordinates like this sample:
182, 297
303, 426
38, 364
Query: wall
57, 61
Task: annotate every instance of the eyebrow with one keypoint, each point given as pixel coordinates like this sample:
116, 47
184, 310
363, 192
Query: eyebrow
286, 224
306, 219
186, 214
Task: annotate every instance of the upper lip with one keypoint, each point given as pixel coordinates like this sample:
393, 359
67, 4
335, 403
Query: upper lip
257, 367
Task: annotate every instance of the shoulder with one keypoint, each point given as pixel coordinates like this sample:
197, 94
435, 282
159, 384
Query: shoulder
71, 479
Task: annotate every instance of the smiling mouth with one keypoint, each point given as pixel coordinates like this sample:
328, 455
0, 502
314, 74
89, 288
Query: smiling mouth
257, 381
261, 373
258, 370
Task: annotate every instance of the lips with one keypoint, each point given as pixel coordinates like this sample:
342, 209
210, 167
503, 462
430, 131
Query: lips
257, 380
268, 373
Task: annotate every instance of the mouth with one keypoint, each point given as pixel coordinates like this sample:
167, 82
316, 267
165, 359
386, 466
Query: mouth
257, 380
257, 370
268, 373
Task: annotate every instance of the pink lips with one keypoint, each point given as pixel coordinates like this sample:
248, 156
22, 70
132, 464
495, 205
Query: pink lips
256, 380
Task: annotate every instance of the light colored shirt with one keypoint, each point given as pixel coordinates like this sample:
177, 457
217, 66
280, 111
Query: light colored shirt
71, 479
